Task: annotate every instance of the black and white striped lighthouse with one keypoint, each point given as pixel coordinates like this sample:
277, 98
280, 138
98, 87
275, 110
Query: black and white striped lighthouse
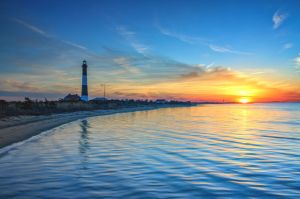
84, 88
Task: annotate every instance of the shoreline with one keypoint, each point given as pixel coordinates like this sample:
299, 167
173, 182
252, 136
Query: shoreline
18, 129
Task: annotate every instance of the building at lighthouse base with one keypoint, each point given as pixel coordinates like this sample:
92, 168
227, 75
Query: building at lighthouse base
84, 98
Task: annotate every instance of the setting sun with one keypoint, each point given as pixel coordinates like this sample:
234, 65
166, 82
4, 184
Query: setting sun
244, 100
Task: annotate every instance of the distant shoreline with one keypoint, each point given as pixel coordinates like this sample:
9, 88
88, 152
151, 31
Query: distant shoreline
17, 129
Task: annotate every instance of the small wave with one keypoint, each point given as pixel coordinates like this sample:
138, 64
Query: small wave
293, 123
281, 137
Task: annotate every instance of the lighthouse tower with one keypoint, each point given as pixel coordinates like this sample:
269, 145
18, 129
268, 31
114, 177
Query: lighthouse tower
84, 88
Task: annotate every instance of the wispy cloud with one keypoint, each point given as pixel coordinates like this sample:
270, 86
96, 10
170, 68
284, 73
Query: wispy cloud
278, 18
181, 37
198, 41
207, 66
211, 73
258, 73
13, 85
297, 61
45, 34
125, 63
287, 46
31, 27
130, 36
75, 45
222, 49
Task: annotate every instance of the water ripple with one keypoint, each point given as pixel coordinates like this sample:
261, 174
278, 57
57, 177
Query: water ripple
212, 151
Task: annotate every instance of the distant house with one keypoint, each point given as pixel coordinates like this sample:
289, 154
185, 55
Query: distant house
99, 99
161, 101
72, 98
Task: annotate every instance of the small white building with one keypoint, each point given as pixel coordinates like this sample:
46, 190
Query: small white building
161, 101
99, 99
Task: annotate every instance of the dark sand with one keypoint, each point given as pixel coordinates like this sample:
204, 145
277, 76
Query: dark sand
16, 129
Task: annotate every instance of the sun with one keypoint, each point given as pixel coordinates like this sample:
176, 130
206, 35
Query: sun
244, 100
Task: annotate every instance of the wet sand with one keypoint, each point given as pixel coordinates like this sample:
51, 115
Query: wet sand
16, 129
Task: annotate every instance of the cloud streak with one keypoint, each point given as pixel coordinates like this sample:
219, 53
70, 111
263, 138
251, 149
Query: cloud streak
75, 45
125, 63
130, 36
222, 49
181, 37
31, 27
45, 34
199, 41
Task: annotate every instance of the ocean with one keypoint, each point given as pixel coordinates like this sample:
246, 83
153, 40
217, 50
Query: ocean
206, 151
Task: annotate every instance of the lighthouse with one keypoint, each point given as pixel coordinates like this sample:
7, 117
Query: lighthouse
84, 88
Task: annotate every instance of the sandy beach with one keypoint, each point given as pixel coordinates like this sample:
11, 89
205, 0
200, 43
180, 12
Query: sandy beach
16, 129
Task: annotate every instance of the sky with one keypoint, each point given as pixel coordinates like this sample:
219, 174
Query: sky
178, 50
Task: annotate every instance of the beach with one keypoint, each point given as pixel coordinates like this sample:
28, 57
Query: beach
17, 129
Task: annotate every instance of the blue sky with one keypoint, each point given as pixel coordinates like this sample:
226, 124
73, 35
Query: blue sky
143, 42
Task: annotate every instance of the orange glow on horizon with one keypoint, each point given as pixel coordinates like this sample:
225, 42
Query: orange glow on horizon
212, 89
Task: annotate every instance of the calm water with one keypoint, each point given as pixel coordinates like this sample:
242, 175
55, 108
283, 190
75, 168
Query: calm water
215, 151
